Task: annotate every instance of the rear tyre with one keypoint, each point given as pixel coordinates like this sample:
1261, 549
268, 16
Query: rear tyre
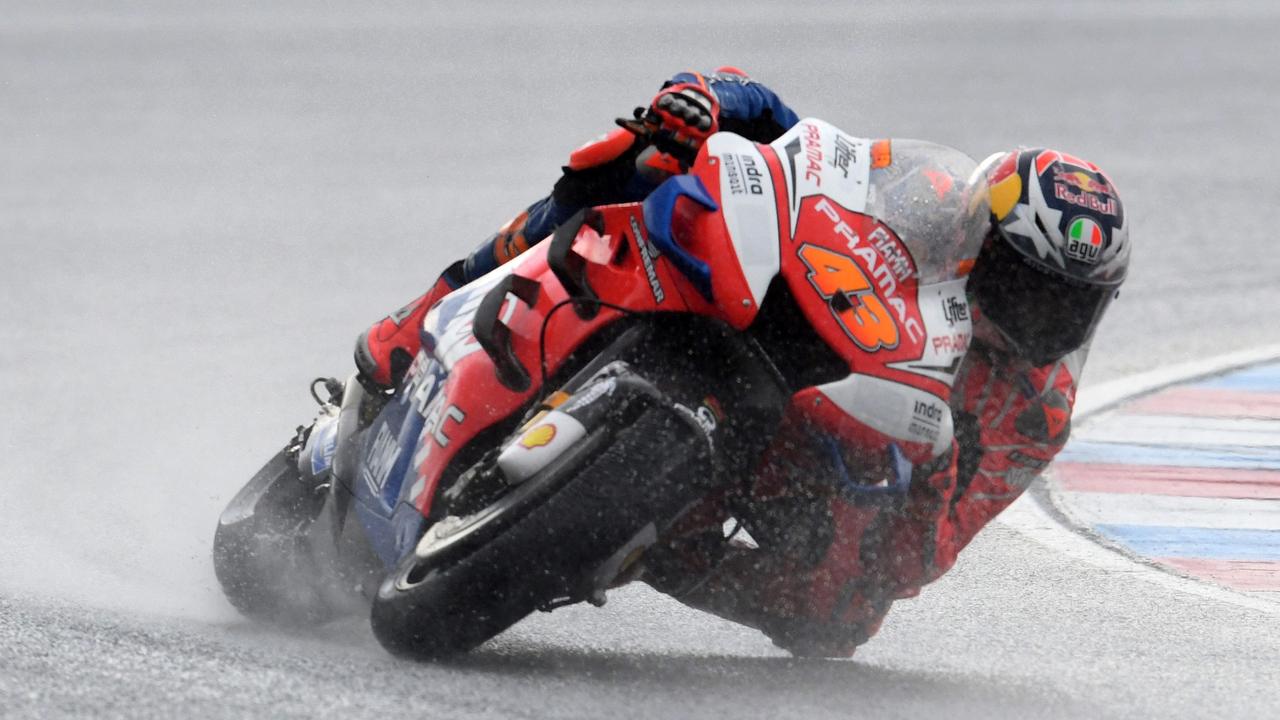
259, 550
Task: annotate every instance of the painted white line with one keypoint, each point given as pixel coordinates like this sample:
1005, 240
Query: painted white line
1031, 518
1218, 513
1095, 398
1181, 430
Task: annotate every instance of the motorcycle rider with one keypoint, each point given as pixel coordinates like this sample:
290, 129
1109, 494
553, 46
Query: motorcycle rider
1055, 256
830, 562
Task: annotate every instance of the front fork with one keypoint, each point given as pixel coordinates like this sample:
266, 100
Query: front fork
719, 383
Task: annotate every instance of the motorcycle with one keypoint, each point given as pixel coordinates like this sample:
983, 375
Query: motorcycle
569, 408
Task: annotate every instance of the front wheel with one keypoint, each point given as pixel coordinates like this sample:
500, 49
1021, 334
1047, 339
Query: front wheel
431, 608
546, 539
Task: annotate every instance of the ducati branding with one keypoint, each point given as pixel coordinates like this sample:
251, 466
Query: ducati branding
647, 255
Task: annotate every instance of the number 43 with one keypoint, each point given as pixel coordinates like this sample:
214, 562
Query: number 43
852, 299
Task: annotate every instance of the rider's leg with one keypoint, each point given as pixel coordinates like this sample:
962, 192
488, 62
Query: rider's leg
802, 579
825, 565
385, 351
607, 175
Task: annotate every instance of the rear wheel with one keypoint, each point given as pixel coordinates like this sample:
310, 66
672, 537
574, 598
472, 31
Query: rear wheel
259, 551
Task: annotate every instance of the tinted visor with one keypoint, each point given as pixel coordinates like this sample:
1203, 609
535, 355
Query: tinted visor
1043, 315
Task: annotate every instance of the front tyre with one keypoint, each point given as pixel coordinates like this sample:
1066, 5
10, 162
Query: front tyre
430, 609
546, 539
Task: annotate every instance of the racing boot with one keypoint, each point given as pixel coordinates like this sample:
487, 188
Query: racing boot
385, 351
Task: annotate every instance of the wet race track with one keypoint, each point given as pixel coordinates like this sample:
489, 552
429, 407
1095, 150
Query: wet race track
200, 207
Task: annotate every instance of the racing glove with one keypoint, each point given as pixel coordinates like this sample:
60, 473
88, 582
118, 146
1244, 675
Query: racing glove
677, 122
658, 142
683, 116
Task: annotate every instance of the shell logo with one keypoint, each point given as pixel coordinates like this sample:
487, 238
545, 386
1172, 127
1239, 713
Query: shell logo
538, 437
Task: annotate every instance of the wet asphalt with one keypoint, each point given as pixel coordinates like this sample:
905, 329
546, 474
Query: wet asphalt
201, 205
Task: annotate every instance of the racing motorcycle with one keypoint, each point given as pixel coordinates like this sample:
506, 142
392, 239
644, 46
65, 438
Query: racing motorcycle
569, 408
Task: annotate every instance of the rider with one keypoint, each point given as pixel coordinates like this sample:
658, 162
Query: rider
1057, 244
1054, 257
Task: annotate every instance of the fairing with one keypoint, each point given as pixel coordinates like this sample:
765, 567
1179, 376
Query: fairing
881, 236
838, 217
452, 393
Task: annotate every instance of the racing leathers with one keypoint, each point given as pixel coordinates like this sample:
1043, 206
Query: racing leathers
823, 565
622, 166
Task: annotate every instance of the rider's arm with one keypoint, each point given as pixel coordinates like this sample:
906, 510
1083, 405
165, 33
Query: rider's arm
604, 171
1022, 419
747, 107
1011, 420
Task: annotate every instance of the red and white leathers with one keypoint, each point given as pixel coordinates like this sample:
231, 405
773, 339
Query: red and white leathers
1011, 420
828, 566
830, 562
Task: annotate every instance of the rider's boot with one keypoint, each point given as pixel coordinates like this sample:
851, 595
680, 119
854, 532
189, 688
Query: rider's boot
385, 351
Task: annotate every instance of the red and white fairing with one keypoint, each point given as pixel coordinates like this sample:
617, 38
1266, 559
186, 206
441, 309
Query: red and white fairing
874, 239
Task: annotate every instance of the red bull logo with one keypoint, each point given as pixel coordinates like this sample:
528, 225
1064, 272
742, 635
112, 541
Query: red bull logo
1082, 181
1083, 190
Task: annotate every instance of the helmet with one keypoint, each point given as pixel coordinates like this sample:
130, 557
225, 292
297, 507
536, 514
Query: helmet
1056, 254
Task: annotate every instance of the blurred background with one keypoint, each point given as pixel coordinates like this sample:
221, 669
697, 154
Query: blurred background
203, 203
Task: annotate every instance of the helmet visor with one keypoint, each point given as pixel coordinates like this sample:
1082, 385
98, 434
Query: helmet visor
1043, 315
